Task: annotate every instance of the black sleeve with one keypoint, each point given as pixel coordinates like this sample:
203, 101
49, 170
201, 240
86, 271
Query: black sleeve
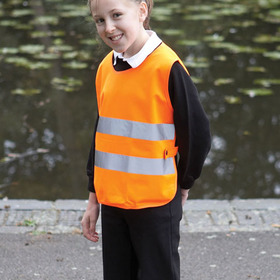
90, 163
191, 125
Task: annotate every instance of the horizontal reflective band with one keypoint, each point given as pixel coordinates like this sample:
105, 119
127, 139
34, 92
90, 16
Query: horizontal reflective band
138, 130
136, 165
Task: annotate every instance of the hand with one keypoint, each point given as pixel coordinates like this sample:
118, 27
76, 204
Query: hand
90, 219
184, 194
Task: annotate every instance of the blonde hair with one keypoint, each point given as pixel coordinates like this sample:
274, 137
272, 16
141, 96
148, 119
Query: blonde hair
150, 4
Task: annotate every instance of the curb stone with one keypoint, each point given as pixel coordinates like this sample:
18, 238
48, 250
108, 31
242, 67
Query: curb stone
64, 216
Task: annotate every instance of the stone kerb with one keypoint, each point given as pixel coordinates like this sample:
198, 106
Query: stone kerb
64, 216
235, 215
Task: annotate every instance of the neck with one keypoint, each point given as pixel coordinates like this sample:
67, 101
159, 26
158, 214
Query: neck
142, 41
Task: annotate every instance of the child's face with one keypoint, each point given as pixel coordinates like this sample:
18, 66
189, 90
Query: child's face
120, 24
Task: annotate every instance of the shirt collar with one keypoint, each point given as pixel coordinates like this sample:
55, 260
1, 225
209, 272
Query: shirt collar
152, 43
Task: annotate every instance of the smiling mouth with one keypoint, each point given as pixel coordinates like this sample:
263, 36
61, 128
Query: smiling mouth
116, 37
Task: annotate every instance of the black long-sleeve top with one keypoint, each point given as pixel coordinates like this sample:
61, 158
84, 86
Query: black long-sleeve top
191, 125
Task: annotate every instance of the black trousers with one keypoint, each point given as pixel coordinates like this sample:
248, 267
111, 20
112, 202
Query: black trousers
142, 244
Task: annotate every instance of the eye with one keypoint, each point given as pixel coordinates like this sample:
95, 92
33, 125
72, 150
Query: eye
99, 20
117, 15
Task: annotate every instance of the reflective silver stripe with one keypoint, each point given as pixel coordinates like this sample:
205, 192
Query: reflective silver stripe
138, 130
136, 165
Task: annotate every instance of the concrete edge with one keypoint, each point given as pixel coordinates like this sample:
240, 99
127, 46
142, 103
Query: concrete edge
64, 216
192, 204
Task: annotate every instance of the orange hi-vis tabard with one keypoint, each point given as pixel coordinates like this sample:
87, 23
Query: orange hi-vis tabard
135, 139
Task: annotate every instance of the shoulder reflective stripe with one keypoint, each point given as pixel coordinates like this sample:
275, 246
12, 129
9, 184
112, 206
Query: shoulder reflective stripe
138, 130
136, 165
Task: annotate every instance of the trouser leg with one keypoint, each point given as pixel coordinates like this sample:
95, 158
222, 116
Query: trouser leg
119, 260
155, 236
142, 244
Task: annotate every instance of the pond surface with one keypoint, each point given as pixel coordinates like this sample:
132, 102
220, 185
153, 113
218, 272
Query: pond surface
49, 53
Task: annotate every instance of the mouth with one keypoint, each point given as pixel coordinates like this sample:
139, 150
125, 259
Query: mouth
116, 37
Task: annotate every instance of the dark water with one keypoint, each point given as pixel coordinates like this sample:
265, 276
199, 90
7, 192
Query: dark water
48, 58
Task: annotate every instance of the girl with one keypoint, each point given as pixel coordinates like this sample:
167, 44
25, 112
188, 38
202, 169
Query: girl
148, 110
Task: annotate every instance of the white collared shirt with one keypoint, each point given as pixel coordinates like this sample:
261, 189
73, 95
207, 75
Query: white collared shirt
152, 43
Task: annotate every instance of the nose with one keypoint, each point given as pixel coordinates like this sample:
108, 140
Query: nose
110, 27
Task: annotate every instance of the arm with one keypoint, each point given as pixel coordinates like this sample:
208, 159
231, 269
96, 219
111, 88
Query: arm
192, 127
90, 163
90, 218
92, 212
184, 195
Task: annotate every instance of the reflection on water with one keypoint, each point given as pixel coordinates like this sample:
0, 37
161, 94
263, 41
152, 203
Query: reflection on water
49, 55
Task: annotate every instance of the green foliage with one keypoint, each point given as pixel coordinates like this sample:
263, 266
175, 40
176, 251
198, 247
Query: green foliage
28, 91
253, 92
67, 84
232, 99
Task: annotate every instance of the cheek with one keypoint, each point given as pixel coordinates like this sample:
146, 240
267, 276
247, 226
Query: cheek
100, 30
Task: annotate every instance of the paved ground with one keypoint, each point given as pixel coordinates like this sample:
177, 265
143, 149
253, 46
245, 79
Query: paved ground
227, 240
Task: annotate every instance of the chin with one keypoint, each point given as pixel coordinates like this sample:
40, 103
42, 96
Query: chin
119, 50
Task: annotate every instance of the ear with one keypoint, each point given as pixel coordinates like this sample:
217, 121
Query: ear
143, 11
